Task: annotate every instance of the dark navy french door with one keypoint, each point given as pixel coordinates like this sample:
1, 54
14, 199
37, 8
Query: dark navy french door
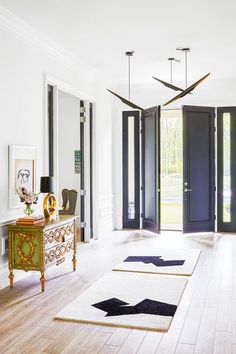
141, 169
198, 169
151, 170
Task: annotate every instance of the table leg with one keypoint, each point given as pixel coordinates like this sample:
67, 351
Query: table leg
74, 262
11, 278
42, 280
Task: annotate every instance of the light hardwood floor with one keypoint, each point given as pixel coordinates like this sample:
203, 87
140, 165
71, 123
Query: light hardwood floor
205, 321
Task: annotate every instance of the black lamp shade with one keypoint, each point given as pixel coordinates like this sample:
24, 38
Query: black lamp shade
47, 184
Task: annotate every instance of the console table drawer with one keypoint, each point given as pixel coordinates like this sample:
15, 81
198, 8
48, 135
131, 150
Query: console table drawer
56, 254
58, 235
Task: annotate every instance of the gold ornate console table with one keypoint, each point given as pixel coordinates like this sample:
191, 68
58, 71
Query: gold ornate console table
39, 246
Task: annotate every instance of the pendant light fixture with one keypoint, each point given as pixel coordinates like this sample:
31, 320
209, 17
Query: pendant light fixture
129, 103
186, 51
129, 54
167, 84
171, 60
189, 89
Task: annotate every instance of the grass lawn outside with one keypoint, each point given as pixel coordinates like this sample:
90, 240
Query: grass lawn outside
171, 213
171, 201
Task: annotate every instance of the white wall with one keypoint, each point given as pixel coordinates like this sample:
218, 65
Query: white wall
24, 62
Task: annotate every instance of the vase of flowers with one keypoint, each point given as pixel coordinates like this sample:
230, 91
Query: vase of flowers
28, 198
28, 209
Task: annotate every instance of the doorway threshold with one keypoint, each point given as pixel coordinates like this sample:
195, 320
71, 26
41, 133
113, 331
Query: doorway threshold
171, 227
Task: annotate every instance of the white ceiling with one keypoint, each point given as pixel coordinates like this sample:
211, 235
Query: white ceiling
99, 32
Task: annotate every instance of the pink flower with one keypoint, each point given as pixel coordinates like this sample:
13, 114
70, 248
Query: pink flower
26, 196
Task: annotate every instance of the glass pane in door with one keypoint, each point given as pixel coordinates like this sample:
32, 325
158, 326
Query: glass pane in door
226, 168
171, 169
131, 169
130, 165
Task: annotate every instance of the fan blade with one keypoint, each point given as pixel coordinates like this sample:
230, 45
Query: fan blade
131, 104
187, 90
167, 84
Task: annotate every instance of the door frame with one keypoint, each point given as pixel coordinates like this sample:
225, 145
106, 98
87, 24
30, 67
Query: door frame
57, 84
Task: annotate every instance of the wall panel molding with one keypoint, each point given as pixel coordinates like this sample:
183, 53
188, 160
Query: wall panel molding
106, 205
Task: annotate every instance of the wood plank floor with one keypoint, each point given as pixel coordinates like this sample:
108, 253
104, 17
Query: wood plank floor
205, 321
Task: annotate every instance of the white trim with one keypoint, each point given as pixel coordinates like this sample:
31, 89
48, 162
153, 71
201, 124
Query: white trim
9, 220
55, 139
3, 245
117, 167
68, 88
23, 31
95, 175
45, 127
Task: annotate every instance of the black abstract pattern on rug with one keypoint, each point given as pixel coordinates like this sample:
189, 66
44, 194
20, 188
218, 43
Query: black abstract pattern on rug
116, 307
155, 260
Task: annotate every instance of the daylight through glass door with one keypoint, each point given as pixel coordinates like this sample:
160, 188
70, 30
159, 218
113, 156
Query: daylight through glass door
171, 170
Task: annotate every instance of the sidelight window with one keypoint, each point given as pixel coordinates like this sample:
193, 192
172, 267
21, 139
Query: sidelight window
226, 168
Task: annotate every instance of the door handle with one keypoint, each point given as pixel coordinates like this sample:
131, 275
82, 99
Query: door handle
187, 190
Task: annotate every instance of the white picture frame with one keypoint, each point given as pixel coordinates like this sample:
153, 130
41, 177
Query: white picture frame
22, 172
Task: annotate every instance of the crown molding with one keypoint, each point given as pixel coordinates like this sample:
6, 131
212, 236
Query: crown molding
21, 30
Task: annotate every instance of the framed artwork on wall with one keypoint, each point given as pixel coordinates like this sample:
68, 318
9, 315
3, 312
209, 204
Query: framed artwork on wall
22, 172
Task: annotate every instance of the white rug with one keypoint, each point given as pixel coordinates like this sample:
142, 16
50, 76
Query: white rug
131, 300
162, 261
